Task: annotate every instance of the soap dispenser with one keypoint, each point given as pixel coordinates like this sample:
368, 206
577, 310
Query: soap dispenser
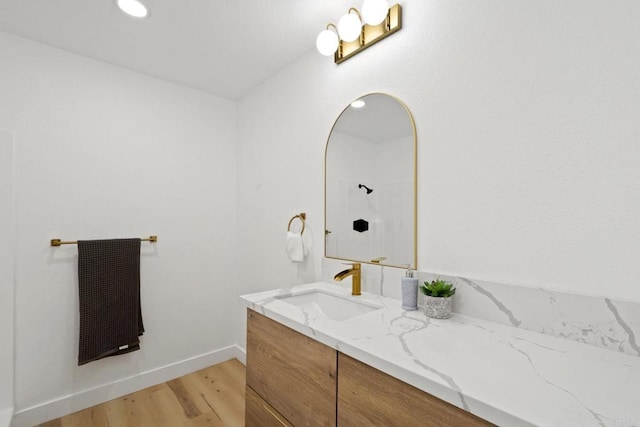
409, 291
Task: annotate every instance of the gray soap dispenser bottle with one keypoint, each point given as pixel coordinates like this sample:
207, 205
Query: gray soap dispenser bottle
409, 291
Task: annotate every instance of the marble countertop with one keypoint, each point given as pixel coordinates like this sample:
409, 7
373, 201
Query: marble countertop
507, 375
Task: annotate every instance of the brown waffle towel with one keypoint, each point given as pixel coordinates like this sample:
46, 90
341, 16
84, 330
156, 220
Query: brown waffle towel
110, 313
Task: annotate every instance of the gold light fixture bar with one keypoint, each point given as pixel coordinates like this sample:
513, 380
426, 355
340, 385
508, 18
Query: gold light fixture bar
58, 242
370, 34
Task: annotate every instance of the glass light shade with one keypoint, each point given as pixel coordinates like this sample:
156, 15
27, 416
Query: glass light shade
133, 8
327, 42
374, 11
349, 27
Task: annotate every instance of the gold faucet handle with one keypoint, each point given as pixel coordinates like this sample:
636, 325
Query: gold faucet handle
355, 265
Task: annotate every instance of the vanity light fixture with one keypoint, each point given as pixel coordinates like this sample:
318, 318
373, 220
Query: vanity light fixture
374, 11
134, 8
357, 31
328, 41
350, 25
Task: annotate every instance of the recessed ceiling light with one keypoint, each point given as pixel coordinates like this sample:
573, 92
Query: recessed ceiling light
133, 8
359, 103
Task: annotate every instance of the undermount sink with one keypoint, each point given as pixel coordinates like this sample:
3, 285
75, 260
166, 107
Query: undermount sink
317, 303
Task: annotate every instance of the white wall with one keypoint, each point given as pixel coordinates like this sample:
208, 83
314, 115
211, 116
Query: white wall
527, 119
102, 152
6, 271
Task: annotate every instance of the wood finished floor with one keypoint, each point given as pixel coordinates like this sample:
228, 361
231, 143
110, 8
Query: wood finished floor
211, 397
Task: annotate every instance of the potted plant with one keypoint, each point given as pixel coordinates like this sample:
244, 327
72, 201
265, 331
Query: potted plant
437, 300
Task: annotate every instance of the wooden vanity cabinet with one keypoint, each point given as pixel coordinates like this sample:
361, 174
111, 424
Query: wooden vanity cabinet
369, 397
293, 380
293, 374
260, 413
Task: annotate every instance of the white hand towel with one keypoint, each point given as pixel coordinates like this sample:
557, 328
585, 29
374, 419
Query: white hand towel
306, 242
294, 247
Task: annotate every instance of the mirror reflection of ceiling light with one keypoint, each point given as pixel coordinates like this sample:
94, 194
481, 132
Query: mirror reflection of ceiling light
358, 103
134, 8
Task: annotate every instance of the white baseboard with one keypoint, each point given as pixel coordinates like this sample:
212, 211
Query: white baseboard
86, 398
241, 354
5, 417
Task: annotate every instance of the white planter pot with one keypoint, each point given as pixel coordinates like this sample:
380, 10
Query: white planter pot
437, 307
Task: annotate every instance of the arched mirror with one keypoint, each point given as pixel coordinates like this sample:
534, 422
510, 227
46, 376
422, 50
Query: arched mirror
370, 183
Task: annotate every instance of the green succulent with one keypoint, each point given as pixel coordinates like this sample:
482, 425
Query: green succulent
438, 288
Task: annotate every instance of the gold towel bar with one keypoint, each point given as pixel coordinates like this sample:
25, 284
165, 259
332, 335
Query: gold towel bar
302, 217
58, 242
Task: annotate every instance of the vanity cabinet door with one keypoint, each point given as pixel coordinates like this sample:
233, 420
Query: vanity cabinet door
369, 397
293, 373
259, 413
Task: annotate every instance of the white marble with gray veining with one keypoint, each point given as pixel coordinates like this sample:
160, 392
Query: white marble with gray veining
505, 374
594, 320
597, 321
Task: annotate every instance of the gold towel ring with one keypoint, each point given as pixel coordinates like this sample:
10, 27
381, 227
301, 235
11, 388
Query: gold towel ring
302, 216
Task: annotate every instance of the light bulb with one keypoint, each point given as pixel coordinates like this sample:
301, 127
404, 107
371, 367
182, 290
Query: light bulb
374, 11
133, 8
349, 27
327, 42
358, 103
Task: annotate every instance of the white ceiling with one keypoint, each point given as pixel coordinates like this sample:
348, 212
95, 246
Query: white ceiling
222, 47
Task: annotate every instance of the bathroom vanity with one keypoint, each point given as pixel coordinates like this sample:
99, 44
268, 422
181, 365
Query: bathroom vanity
295, 380
380, 365
367, 396
292, 373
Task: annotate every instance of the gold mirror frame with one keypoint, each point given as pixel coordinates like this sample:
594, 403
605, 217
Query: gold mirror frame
414, 265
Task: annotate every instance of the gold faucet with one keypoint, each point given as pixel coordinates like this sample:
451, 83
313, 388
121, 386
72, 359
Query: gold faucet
354, 272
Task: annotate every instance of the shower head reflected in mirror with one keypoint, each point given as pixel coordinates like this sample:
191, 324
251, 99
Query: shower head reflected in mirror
369, 190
